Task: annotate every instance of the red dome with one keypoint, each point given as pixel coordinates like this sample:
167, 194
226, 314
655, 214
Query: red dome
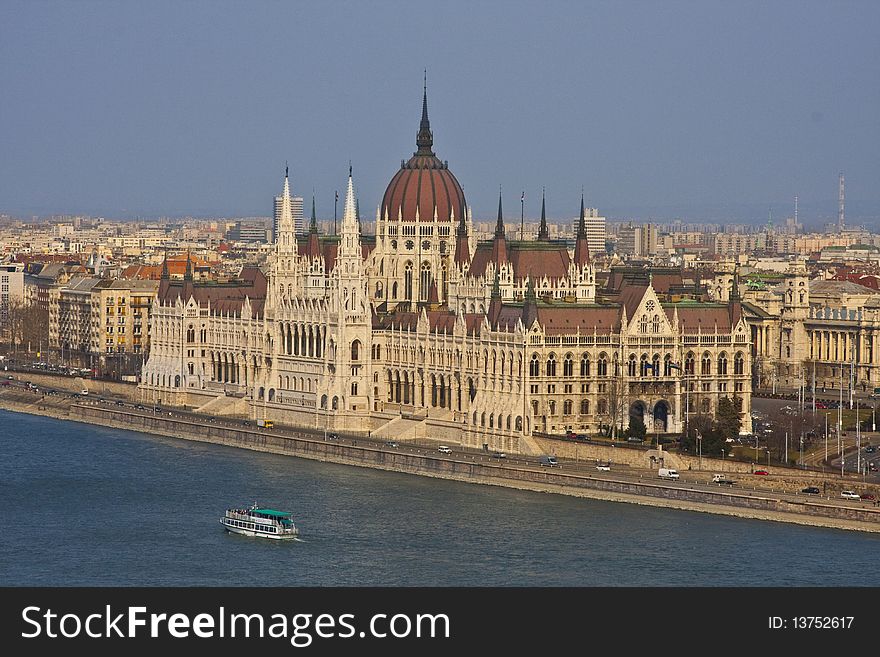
423, 184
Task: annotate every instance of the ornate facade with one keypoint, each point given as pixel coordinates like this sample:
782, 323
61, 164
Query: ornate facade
422, 331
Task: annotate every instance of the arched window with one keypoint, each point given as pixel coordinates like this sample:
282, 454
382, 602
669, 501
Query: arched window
551, 365
631, 365
191, 334
603, 407
566, 407
667, 365
534, 367
568, 366
585, 365
354, 389
518, 423
738, 363
552, 406
535, 407
602, 365
655, 324
585, 406
356, 350
689, 363
425, 281
704, 406
408, 281
656, 363
643, 324
706, 366
644, 368
722, 363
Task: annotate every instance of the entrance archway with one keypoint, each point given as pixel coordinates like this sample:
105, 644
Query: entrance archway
661, 416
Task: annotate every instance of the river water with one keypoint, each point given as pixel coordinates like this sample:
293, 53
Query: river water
93, 506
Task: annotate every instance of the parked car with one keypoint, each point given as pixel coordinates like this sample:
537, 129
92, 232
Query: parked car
499, 455
391, 443
333, 436
868, 496
872, 467
761, 472
870, 449
849, 495
810, 490
603, 467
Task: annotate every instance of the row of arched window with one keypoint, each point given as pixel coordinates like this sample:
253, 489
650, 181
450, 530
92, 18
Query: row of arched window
643, 366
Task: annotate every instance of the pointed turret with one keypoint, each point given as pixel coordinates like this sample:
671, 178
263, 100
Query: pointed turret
530, 305
582, 245
462, 250
499, 225
165, 275
495, 302
499, 244
313, 246
425, 138
543, 232
188, 274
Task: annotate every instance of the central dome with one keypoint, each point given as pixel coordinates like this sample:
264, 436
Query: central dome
424, 186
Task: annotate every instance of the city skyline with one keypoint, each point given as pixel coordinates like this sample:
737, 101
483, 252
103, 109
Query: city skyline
108, 119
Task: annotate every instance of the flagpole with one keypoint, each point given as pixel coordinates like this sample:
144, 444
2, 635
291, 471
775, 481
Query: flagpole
335, 203
522, 216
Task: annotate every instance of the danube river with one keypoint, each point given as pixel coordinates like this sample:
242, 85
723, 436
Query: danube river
84, 505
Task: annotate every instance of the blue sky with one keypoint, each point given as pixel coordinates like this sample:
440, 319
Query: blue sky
701, 109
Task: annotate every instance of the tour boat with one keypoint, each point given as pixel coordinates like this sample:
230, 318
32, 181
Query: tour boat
256, 521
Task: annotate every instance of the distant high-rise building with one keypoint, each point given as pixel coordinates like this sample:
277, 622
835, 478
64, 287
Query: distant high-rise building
296, 207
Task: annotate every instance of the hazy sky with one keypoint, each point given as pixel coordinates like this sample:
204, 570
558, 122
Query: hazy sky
193, 107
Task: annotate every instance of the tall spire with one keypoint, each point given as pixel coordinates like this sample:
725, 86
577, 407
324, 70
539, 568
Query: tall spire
313, 225
313, 246
462, 250
499, 243
499, 225
425, 138
543, 232
582, 245
165, 274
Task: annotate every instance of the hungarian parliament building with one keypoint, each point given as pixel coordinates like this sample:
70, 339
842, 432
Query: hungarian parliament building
421, 330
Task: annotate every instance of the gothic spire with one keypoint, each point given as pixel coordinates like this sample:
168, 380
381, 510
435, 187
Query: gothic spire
499, 225
188, 274
425, 138
313, 225
582, 245
543, 232
165, 274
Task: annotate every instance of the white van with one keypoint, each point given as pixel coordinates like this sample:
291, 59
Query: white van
443, 449
668, 473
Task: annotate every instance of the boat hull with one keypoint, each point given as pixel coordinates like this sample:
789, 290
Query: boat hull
286, 536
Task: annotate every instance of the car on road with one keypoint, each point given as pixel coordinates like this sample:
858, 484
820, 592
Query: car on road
870, 449
721, 479
333, 436
849, 495
391, 443
119, 402
83, 392
810, 490
140, 407
872, 467
821, 404
499, 455
761, 472
603, 467
548, 461
867, 496
443, 449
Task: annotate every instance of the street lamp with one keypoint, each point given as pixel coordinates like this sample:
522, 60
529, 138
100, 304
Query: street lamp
768, 456
700, 448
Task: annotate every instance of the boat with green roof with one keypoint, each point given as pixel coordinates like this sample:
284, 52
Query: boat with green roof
257, 521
